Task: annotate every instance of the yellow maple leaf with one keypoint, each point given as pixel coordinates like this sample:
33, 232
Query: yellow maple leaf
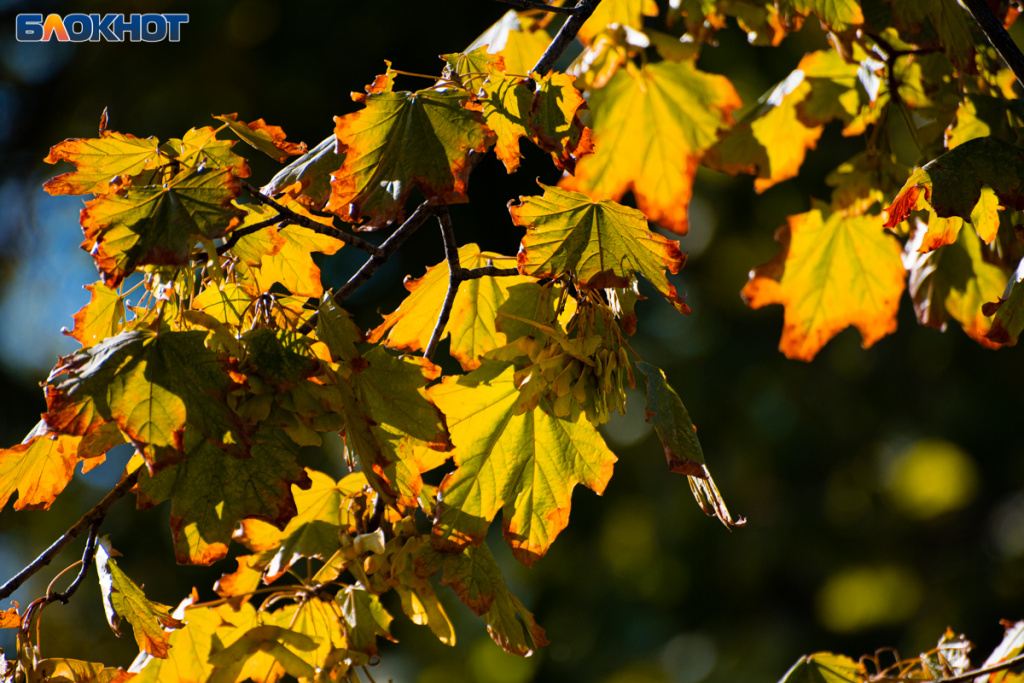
832, 271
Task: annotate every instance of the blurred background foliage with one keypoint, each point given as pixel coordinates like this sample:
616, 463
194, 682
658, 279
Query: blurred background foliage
883, 488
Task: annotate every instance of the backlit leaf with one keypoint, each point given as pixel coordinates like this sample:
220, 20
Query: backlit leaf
160, 224
247, 657
603, 242
365, 619
519, 41
947, 18
122, 598
824, 667
152, 385
649, 135
665, 410
523, 464
472, 325
61, 670
832, 271
38, 469
544, 111
955, 282
835, 15
308, 178
629, 13
100, 318
268, 139
200, 148
319, 619
204, 517
100, 161
1008, 310
401, 141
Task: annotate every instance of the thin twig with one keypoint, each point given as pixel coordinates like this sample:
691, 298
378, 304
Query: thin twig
387, 250
315, 226
93, 517
488, 271
87, 558
455, 278
239, 234
526, 4
565, 35
997, 36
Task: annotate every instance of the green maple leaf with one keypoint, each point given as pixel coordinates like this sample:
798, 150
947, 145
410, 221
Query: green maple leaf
152, 385
524, 464
836, 15
824, 667
665, 410
603, 242
122, 598
200, 148
204, 517
401, 141
160, 224
365, 619
472, 325
308, 178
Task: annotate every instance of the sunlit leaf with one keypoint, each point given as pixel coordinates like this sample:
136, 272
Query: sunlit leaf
38, 469
472, 325
365, 619
318, 618
60, 670
99, 162
203, 518
401, 141
824, 667
123, 599
523, 464
603, 242
665, 410
1008, 310
308, 178
268, 139
947, 18
519, 41
160, 224
836, 15
235, 662
629, 13
649, 135
100, 318
832, 271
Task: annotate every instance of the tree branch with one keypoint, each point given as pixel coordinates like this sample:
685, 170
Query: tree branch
455, 277
93, 517
565, 35
315, 226
997, 36
87, 558
386, 251
526, 4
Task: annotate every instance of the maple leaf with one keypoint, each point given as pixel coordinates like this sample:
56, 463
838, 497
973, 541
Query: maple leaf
200, 148
629, 13
268, 139
38, 468
603, 242
190, 646
543, 111
401, 141
832, 271
835, 15
9, 617
283, 254
472, 325
308, 178
1007, 311
319, 619
100, 162
476, 578
824, 667
518, 40
151, 385
365, 619
949, 21
772, 140
957, 184
159, 225
122, 598
311, 532
523, 464
77, 671
955, 282
649, 134
980, 116
391, 425
100, 318
227, 303
668, 415
203, 518
258, 652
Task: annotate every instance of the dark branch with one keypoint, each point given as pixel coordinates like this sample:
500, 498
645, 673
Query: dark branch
240, 233
297, 218
87, 558
456, 274
526, 4
998, 36
565, 35
488, 271
91, 518
386, 251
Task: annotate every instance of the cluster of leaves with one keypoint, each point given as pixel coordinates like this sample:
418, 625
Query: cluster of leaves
211, 346
948, 661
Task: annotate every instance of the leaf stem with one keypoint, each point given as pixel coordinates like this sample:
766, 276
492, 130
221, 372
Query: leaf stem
455, 271
92, 518
565, 35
